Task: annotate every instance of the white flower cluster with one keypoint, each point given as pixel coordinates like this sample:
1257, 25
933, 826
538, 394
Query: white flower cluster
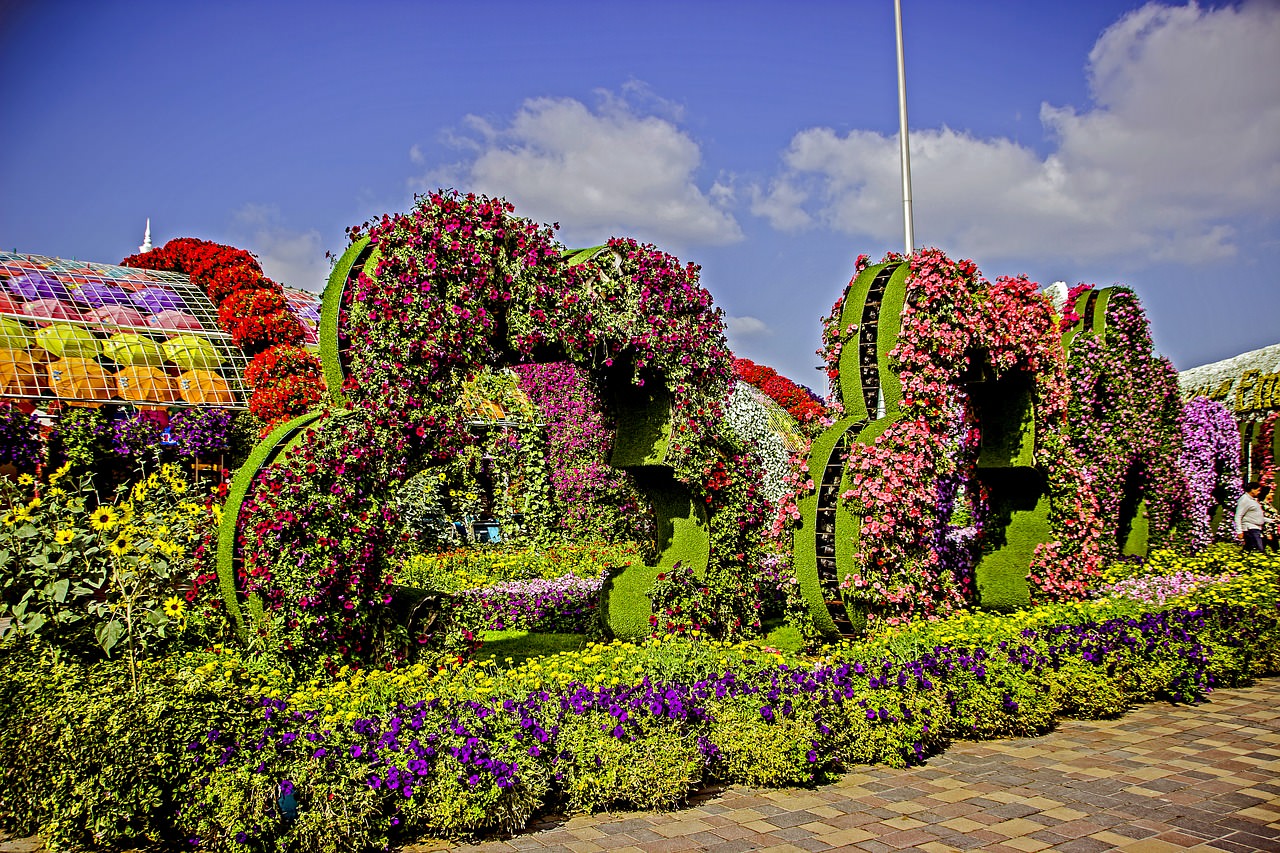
767, 430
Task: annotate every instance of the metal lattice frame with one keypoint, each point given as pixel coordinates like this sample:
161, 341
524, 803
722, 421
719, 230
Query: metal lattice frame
79, 332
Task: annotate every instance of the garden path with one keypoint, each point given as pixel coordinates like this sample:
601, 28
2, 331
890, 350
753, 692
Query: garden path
1160, 778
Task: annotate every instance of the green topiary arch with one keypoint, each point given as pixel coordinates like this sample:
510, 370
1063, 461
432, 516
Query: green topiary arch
417, 304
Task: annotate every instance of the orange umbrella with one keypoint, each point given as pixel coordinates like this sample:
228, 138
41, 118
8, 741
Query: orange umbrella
205, 386
81, 379
141, 383
20, 374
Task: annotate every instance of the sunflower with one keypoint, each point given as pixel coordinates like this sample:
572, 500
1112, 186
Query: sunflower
21, 514
60, 473
174, 607
120, 545
103, 518
26, 480
57, 492
64, 536
8, 518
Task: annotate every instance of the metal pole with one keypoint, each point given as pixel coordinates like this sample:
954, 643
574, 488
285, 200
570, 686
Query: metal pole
909, 237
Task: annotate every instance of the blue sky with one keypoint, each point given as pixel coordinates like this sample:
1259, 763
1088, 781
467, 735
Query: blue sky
1080, 140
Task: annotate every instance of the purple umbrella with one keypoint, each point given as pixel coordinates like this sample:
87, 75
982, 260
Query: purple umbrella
157, 299
38, 285
306, 312
96, 295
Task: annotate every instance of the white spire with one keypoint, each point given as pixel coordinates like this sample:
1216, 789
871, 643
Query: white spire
146, 240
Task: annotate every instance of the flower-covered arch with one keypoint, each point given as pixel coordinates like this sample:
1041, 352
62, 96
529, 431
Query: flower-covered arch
949, 474
1124, 418
415, 307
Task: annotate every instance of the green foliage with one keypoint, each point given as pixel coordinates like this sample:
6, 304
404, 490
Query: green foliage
109, 577
91, 765
759, 750
653, 765
486, 565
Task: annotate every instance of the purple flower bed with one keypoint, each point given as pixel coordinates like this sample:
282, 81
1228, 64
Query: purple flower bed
564, 604
517, 749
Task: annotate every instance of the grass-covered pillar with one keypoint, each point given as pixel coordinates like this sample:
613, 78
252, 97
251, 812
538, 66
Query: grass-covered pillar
642, 447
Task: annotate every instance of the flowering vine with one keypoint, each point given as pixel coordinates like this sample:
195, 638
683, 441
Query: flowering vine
1211, 464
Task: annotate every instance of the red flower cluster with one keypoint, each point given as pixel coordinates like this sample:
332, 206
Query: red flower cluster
253, 310
801, 403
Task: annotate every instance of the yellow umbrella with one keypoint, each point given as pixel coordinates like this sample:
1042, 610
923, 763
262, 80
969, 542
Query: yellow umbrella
146, 384
132, 348
192, 352
67, 341
13, 335
20, 374
205, 386
81, 379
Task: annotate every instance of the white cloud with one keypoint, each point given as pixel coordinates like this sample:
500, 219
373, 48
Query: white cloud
600, 172
747, 327
1182, 138
293, 258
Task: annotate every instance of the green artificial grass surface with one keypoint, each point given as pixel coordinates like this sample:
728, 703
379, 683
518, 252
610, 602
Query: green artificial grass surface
330, 312
516, 647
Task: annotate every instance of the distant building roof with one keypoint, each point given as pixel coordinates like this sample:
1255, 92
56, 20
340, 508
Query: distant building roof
1248, 384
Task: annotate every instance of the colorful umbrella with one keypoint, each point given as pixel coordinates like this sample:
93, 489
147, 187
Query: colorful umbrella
38, 285
306, 312
51, 309
20, 374
132, 348
98, 294
67, 341
205, 387
81, 379
13, 335
146, 384
157, 299
176, 321
132, 284
192, 352
7, 305
116, 315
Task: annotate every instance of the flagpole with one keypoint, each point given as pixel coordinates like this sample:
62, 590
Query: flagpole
909, 238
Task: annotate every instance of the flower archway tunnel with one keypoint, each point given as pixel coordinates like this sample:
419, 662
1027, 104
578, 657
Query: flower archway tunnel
417, 305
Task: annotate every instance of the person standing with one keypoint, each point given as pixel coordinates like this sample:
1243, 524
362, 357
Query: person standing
1250, 517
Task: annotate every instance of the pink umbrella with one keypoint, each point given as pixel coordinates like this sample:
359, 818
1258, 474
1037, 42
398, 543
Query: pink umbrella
118, 315
51, 309
132, 284
176, 321
8, 306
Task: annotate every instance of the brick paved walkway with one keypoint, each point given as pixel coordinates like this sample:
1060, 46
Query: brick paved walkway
1161, 778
